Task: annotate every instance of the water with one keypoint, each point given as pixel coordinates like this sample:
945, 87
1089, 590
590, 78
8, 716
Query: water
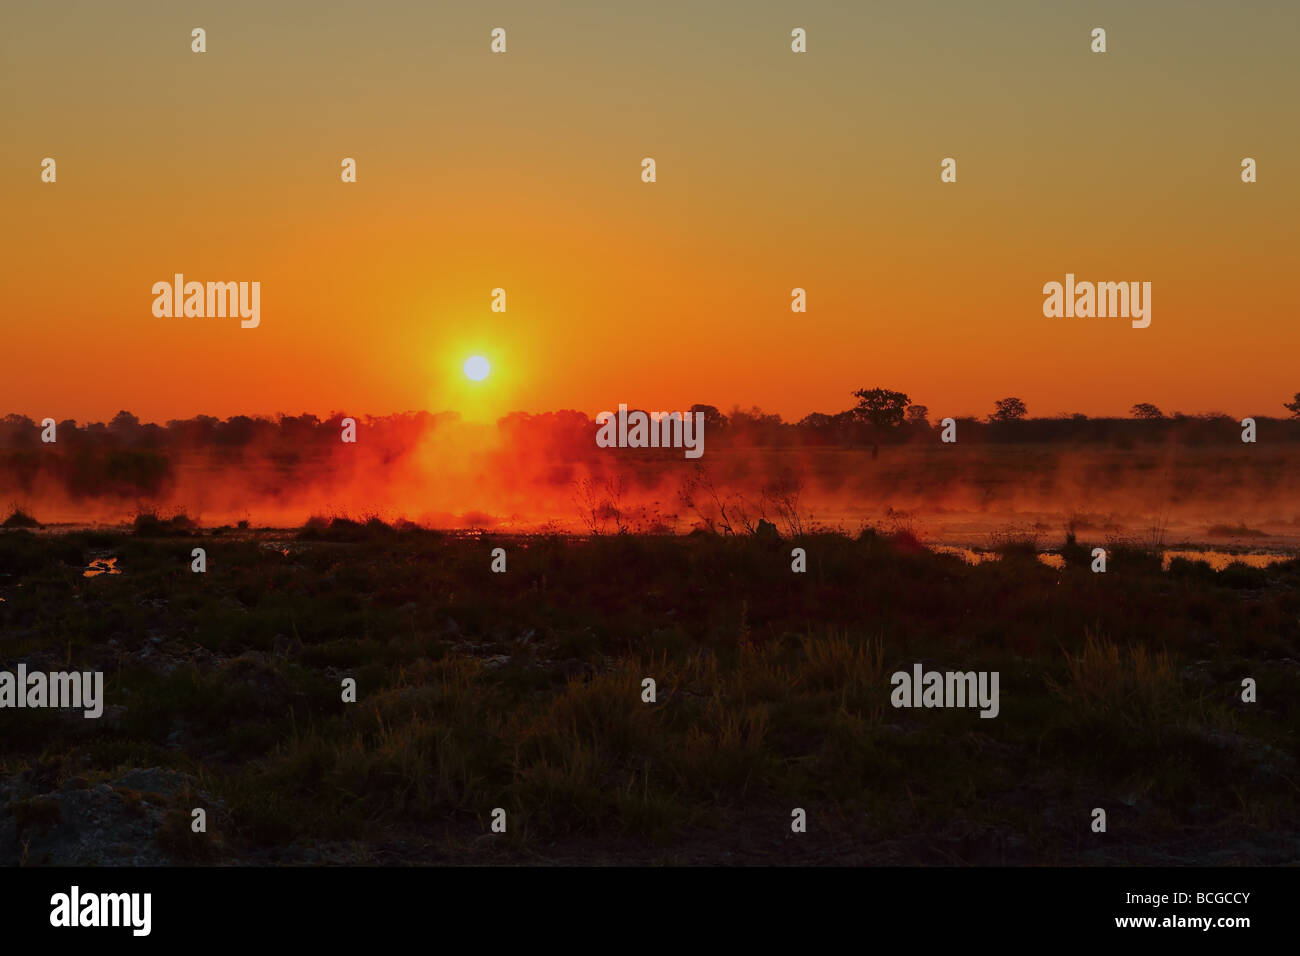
101, 566
1218, 560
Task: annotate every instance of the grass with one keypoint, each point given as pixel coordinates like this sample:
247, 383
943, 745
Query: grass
523, 691
19, 519
150, 524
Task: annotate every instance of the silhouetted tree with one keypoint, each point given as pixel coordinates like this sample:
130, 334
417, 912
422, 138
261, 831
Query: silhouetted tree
880, 407
124, 424
1008, 410
712, 417
1293, 407
752, 417
816, 420
18, 431
918, 415
1146, 410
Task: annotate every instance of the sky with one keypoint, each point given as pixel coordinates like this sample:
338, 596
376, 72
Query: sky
522, 171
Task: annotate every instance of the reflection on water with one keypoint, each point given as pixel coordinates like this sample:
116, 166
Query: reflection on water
969, 555
1218, 560
101, 566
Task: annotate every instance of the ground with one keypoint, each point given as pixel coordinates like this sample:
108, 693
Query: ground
523, 691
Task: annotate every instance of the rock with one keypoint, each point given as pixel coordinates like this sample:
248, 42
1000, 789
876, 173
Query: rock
114, 823
167, 783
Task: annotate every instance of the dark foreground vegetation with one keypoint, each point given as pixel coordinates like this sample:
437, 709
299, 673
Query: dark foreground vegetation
523, 691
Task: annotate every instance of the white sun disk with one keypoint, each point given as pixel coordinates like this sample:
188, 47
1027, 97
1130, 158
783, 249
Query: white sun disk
477, 368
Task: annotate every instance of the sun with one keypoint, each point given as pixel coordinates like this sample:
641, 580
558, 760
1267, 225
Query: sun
477, 368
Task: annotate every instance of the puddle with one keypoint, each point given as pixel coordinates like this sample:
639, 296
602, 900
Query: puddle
969, 555
101, 566
1219, 560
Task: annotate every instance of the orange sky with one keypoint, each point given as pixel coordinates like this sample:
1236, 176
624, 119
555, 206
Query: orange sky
522, 171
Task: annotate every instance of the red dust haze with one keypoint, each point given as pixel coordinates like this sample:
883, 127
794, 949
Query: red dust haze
1187, 479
